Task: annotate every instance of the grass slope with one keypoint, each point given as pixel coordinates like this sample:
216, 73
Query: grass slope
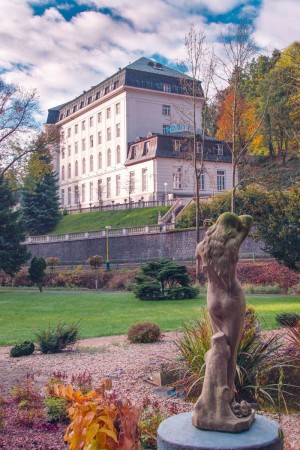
94, 221
105, 314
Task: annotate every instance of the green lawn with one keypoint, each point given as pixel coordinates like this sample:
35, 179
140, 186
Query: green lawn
104, 314
94, 221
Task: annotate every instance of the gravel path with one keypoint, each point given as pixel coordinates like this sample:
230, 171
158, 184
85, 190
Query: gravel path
128, 365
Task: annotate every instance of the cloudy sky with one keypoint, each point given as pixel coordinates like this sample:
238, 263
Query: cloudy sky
62, 47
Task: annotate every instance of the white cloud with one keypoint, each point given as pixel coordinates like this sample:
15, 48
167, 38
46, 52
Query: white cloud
278, 23
62, 58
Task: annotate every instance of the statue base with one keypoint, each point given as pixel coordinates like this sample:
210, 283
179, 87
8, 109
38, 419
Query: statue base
178, 433
229, 424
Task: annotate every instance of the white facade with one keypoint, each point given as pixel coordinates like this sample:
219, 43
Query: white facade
94, 148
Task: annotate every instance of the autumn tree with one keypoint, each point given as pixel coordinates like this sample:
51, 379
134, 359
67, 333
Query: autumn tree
239, 48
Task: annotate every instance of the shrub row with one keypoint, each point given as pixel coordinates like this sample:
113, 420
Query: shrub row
259, 273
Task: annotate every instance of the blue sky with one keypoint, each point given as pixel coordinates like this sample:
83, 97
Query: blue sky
62, 47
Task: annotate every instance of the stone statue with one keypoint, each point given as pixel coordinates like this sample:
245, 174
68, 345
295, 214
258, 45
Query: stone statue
217, 254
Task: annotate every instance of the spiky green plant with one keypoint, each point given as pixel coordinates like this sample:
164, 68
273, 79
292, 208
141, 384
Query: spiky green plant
258, 375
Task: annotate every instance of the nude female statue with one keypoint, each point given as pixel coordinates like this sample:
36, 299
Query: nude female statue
217, 255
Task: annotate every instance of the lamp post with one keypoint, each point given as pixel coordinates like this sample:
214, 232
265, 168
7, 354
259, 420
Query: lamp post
107, 264
165, 185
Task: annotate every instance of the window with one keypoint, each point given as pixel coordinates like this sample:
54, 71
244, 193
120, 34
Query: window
177, 178
81, 105
146, 148
69, 170
108, 113
99, 117
118, 130
108, 187
133, 152
108, 157
198, 147
118, 108
166, 87
76, 168
99, 160
176, 146
63, 172
74, 108
91, 191
202, 182
166, 129
144, 180
83, 165
220, 180
76, 147
131, 182
62, 197
100, 190
69, 150
68, 112
62, 153
91, 163
91, 121
83, 193
108, 134
219, 148
69, 196
76, 195
118, 185
83, 125
116, 84
118, 154
97, 96
69, 132
83, 144
166, 110
76, 128
91, 141
106, 90
99, 137
89, 100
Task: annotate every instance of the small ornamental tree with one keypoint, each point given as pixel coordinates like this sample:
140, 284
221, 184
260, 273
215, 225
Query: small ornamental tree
95, 262
163, 279
37, 271
52, 262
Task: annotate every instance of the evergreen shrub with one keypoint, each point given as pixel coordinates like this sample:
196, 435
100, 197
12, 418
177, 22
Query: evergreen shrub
24, 349
56, 339
288, 319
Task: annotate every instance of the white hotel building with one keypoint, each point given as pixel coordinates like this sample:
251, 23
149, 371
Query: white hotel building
118, 141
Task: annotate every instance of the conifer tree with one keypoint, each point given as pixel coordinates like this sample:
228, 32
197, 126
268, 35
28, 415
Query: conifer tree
12, 253
40, 206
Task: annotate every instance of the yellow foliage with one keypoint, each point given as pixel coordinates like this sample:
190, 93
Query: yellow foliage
93, 418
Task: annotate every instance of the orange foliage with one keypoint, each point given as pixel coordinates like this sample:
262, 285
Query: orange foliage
98, 421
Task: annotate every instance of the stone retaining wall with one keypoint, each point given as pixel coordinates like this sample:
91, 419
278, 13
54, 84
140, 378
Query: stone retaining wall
177, 245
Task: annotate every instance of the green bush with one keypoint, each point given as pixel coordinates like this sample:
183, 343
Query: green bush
288, 319
143, 333
56, 408
24, 349
182, 292
163, 280
55, 339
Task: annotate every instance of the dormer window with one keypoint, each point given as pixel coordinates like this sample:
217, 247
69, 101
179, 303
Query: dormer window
176, 146
146, 148
133, 152
219, 148
166, 87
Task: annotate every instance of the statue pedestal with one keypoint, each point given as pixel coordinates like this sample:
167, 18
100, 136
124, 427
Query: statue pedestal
178, 433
